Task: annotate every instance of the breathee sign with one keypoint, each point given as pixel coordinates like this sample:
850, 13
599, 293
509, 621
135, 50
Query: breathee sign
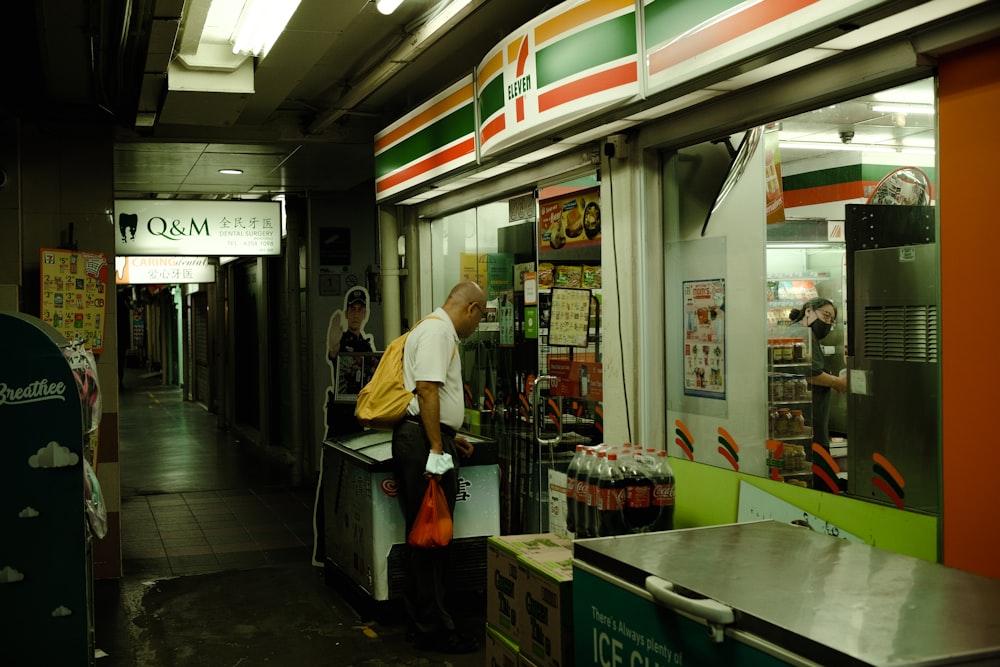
172, 227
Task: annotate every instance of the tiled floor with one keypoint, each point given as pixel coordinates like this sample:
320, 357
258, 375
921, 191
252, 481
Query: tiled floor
206, 531
218, 558
193, 499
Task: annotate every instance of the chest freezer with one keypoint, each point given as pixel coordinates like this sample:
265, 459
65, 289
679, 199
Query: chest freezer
363, 526
769, 593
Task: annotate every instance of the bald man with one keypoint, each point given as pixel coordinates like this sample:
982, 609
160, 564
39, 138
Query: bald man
426, 444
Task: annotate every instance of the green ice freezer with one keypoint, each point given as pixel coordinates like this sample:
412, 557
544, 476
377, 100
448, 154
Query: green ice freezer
769, 593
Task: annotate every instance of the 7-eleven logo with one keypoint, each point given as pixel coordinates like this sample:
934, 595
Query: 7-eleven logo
520, 82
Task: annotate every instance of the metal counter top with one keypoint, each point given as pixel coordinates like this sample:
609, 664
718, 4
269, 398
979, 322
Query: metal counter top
872, 605
372, 449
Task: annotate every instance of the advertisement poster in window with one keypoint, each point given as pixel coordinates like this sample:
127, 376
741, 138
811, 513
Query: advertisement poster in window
572, 220
74, 295
705, 338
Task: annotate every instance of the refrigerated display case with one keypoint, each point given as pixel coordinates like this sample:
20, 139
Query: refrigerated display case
769, 593
363, 523
789, 407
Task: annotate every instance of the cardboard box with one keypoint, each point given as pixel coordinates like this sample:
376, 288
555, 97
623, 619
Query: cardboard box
504, 572
545, 629
501, 651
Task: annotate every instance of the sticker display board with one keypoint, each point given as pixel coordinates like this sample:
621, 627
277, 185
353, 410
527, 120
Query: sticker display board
74, 295
570, 317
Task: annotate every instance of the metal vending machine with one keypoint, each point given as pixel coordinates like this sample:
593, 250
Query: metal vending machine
893, 356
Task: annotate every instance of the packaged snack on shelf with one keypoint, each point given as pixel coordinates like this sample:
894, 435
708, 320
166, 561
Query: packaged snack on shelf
591, 277
568, 276
545, 270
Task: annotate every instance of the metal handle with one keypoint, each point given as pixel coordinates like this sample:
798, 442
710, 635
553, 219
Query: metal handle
538, 420
715, 613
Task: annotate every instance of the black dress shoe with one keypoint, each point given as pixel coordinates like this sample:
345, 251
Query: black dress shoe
447, 642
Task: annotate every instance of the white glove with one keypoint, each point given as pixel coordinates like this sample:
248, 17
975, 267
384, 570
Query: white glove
438, 464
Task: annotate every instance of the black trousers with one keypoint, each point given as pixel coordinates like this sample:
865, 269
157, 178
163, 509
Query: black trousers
427, 569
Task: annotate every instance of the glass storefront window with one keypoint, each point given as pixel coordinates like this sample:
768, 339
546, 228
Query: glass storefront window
831, 188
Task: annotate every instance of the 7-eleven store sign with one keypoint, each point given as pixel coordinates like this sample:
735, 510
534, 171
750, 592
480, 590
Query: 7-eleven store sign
549, 75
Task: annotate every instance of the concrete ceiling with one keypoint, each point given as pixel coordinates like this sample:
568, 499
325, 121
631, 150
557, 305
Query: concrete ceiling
340, 72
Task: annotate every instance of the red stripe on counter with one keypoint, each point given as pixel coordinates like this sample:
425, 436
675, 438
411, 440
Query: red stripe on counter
887, 490
729, 457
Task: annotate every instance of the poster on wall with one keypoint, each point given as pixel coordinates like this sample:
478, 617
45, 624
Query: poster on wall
705, 338
570, 220
74, 295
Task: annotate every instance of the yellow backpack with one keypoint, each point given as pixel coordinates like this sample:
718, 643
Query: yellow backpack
383, 401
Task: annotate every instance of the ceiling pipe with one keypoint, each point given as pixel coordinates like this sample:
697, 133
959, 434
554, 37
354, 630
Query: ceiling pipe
425, 36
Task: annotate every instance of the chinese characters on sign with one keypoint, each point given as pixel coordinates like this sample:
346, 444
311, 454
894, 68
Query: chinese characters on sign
705, 338
176, 227
161, 270
74, 297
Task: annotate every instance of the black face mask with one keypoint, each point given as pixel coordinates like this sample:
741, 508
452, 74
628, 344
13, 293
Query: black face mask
820, 328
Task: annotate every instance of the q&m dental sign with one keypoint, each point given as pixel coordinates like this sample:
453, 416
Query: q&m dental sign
172, 227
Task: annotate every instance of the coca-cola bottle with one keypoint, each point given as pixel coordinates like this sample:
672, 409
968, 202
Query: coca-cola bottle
640, 513
610, 497
582, 475
571, 473
592, 477
663, 492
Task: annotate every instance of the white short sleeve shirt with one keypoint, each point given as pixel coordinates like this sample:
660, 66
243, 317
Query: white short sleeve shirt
431, 355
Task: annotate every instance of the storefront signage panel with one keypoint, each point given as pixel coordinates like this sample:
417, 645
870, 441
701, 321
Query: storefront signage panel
689, 39
163, 270
568, 63
173, 227
432, 140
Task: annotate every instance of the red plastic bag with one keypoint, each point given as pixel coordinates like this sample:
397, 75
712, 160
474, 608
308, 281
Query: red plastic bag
433, 526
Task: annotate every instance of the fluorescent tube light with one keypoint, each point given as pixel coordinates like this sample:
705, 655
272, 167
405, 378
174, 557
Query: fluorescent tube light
234, 172
919, 109
858, 148
387, 6
260, 25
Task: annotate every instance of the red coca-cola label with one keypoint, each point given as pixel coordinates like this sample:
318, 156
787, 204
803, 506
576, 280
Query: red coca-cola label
663, 495
581, 490
610, 499
640, 496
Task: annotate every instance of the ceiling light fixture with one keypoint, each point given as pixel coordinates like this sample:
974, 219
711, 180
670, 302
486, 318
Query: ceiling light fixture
859, 148
922, 109
260, 24
387, 6
233, 172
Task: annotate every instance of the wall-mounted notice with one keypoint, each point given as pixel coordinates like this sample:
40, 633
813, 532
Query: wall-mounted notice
168, 227
705, 338
74, 294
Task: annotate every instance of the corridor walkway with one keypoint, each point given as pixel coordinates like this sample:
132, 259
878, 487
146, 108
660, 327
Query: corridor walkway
218, 559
